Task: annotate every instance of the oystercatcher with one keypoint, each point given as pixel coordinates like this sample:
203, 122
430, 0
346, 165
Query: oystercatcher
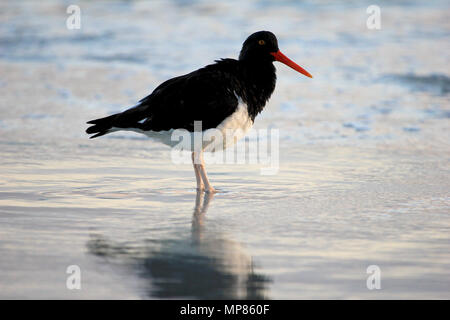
226, 95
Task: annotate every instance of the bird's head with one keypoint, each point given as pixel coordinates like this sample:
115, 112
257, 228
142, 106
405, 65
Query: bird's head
263, 46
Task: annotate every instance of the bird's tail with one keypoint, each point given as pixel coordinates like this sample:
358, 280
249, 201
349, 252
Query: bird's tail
101, 126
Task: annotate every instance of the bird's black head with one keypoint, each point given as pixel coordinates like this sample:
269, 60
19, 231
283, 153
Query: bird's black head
258, 46
262, 47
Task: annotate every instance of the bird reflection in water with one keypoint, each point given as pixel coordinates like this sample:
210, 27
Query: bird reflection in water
206, 266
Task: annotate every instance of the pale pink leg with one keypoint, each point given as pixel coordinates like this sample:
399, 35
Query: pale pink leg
198, 176
208, 186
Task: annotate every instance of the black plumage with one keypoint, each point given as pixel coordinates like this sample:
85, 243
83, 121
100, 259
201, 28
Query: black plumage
209, 94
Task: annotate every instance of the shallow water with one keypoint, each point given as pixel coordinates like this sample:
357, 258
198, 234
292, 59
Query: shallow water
363, 161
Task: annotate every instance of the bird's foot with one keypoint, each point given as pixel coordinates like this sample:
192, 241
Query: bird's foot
210, 190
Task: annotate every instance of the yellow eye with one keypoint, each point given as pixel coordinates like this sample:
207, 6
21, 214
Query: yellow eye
261, 42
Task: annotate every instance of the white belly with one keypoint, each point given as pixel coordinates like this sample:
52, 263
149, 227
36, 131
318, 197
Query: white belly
232, 129
227, 133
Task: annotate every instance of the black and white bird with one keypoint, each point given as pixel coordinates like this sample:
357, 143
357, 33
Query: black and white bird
226, 95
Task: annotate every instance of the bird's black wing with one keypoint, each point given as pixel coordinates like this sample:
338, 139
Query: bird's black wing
207, 95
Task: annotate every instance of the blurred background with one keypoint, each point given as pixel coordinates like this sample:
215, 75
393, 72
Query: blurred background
364, 154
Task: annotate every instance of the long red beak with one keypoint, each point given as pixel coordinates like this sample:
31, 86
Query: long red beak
279, 56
